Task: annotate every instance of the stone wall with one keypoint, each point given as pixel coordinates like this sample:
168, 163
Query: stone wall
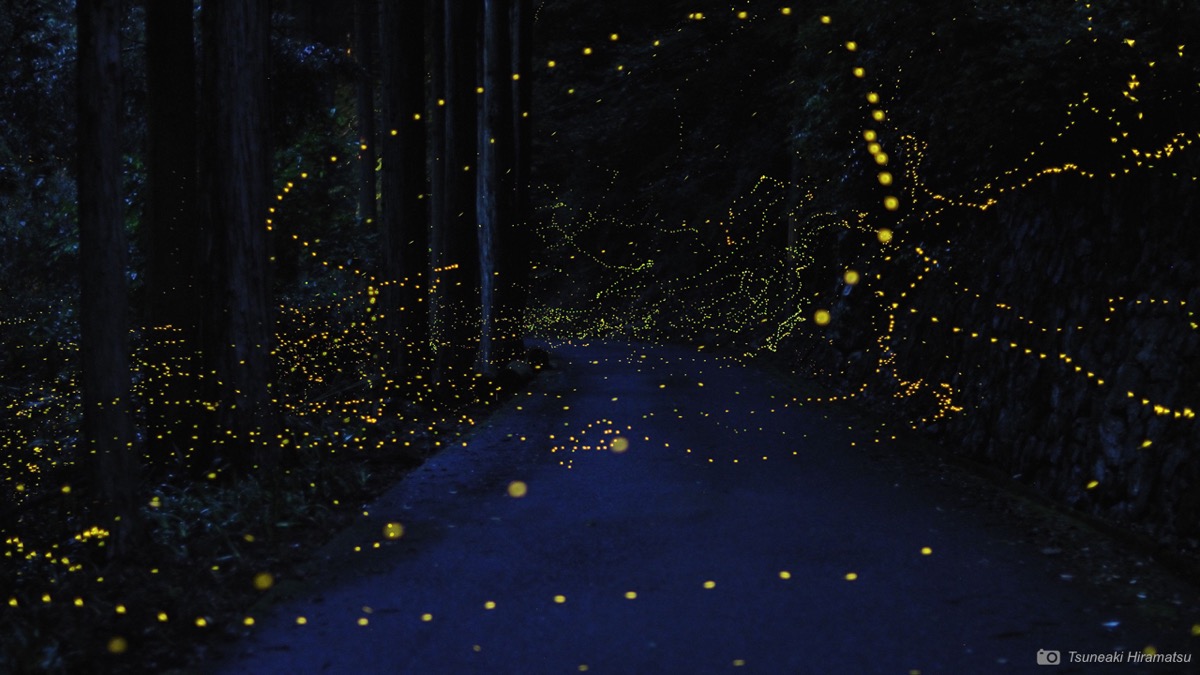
1064, 322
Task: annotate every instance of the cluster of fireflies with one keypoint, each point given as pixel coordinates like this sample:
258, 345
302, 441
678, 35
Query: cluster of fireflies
329, 369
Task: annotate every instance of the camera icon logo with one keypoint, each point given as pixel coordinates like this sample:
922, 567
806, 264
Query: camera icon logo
1049, 657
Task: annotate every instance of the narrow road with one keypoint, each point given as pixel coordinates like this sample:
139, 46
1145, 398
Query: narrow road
736, 532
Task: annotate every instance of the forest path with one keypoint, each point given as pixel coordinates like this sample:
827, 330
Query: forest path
725, 480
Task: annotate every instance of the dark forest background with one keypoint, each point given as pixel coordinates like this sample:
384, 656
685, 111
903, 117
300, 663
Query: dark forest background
259, 258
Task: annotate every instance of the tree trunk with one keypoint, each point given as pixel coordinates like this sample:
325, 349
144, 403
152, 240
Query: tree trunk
518, 242
104, 329
171, 225
364, 36
455, 320
436, 149
405, 226
234, 180
494, 193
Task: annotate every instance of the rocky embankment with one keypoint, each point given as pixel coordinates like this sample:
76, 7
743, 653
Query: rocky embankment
1063, 321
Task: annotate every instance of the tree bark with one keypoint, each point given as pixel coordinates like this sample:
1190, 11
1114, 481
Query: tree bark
494, 191
365, 19
436, 149
522, 101
405, 224
172, 289
234, 180
455, 319
103, 254
519, 239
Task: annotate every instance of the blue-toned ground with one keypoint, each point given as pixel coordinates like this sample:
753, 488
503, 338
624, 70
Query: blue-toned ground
738, 530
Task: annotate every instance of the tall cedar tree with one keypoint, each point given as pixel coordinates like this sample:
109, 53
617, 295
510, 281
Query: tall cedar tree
365, 18
234, 181
405, 224
515, 260
454, 287
171, 229
494, 187
104, 330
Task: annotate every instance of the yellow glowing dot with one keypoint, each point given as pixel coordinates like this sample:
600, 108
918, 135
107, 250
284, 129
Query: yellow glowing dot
333, 158
710, 584
925, 550
587, 51
560, 599
891, 203
872, 98
362, 621
877, 115
162, 616
490, 604
859, 71
826, 19
742, 15
393, 530
66, 489
1147, 443
619, 444
1149, 650
785, 574
885, 178
263, 581
1093, 483
786, 11
821, 317
119, 609
551, 63
1196, 629
614, 37
738, 663
851, 576
852, 46
517, 489
884, 235
117, 645
427, 617
201, 622
630, 595
870, 136
851, 277
300, 621
248, 621
395, 132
